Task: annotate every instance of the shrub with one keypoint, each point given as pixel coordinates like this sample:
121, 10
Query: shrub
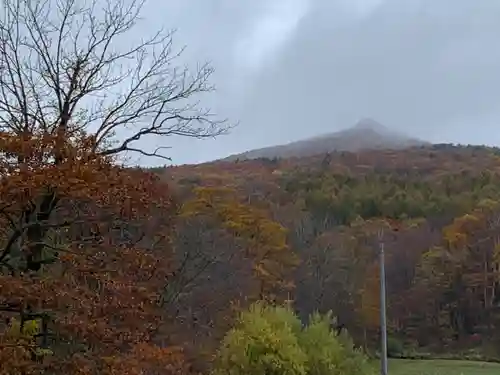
355, 362
395, 348
271, 340
323, 349
264, 341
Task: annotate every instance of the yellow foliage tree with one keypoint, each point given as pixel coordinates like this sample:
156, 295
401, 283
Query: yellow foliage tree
265, 240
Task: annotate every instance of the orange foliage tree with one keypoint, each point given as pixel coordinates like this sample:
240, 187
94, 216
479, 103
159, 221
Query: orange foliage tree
84, 255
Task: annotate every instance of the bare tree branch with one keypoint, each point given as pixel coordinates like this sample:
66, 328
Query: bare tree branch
61, 72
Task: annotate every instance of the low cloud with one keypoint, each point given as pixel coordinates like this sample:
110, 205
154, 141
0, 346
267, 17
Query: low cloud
428, 68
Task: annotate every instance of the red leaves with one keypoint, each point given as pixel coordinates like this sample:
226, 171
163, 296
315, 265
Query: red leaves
102, 286
144, 358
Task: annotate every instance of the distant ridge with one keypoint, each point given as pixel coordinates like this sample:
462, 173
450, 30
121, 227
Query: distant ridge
366, 134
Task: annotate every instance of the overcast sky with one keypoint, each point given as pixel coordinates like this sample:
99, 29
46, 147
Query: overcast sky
290, 69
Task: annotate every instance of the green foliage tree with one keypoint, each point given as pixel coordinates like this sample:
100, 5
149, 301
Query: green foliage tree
264, 341
329, 353
271, 340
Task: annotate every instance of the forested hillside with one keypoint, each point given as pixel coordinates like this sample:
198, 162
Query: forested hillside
214, 268
311, 229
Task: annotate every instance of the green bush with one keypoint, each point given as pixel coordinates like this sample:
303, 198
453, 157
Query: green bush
395, 347
264, 341
323, 349
329, 353
271, 340
355, 361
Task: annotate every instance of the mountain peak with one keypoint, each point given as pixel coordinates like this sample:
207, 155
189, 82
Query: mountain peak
366, 134
370, 124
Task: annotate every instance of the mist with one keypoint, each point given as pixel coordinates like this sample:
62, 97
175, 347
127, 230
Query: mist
292, 69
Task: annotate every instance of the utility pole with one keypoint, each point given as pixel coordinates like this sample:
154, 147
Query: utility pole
383, 317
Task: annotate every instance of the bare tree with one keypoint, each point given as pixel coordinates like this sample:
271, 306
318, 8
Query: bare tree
73, 83
61, 73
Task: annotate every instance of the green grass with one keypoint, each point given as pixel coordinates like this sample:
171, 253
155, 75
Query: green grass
442, 367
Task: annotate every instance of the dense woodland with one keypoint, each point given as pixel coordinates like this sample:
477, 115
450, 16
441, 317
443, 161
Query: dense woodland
435, 209
154, 267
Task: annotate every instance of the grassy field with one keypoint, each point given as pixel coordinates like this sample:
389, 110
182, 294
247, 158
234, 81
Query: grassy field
442, 367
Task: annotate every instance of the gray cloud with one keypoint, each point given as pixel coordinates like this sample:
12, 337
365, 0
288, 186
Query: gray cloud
430, 68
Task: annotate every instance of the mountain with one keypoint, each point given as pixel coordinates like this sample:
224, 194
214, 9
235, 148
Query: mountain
366, 134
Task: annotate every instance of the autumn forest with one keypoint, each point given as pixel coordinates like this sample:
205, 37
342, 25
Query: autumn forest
436, 209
